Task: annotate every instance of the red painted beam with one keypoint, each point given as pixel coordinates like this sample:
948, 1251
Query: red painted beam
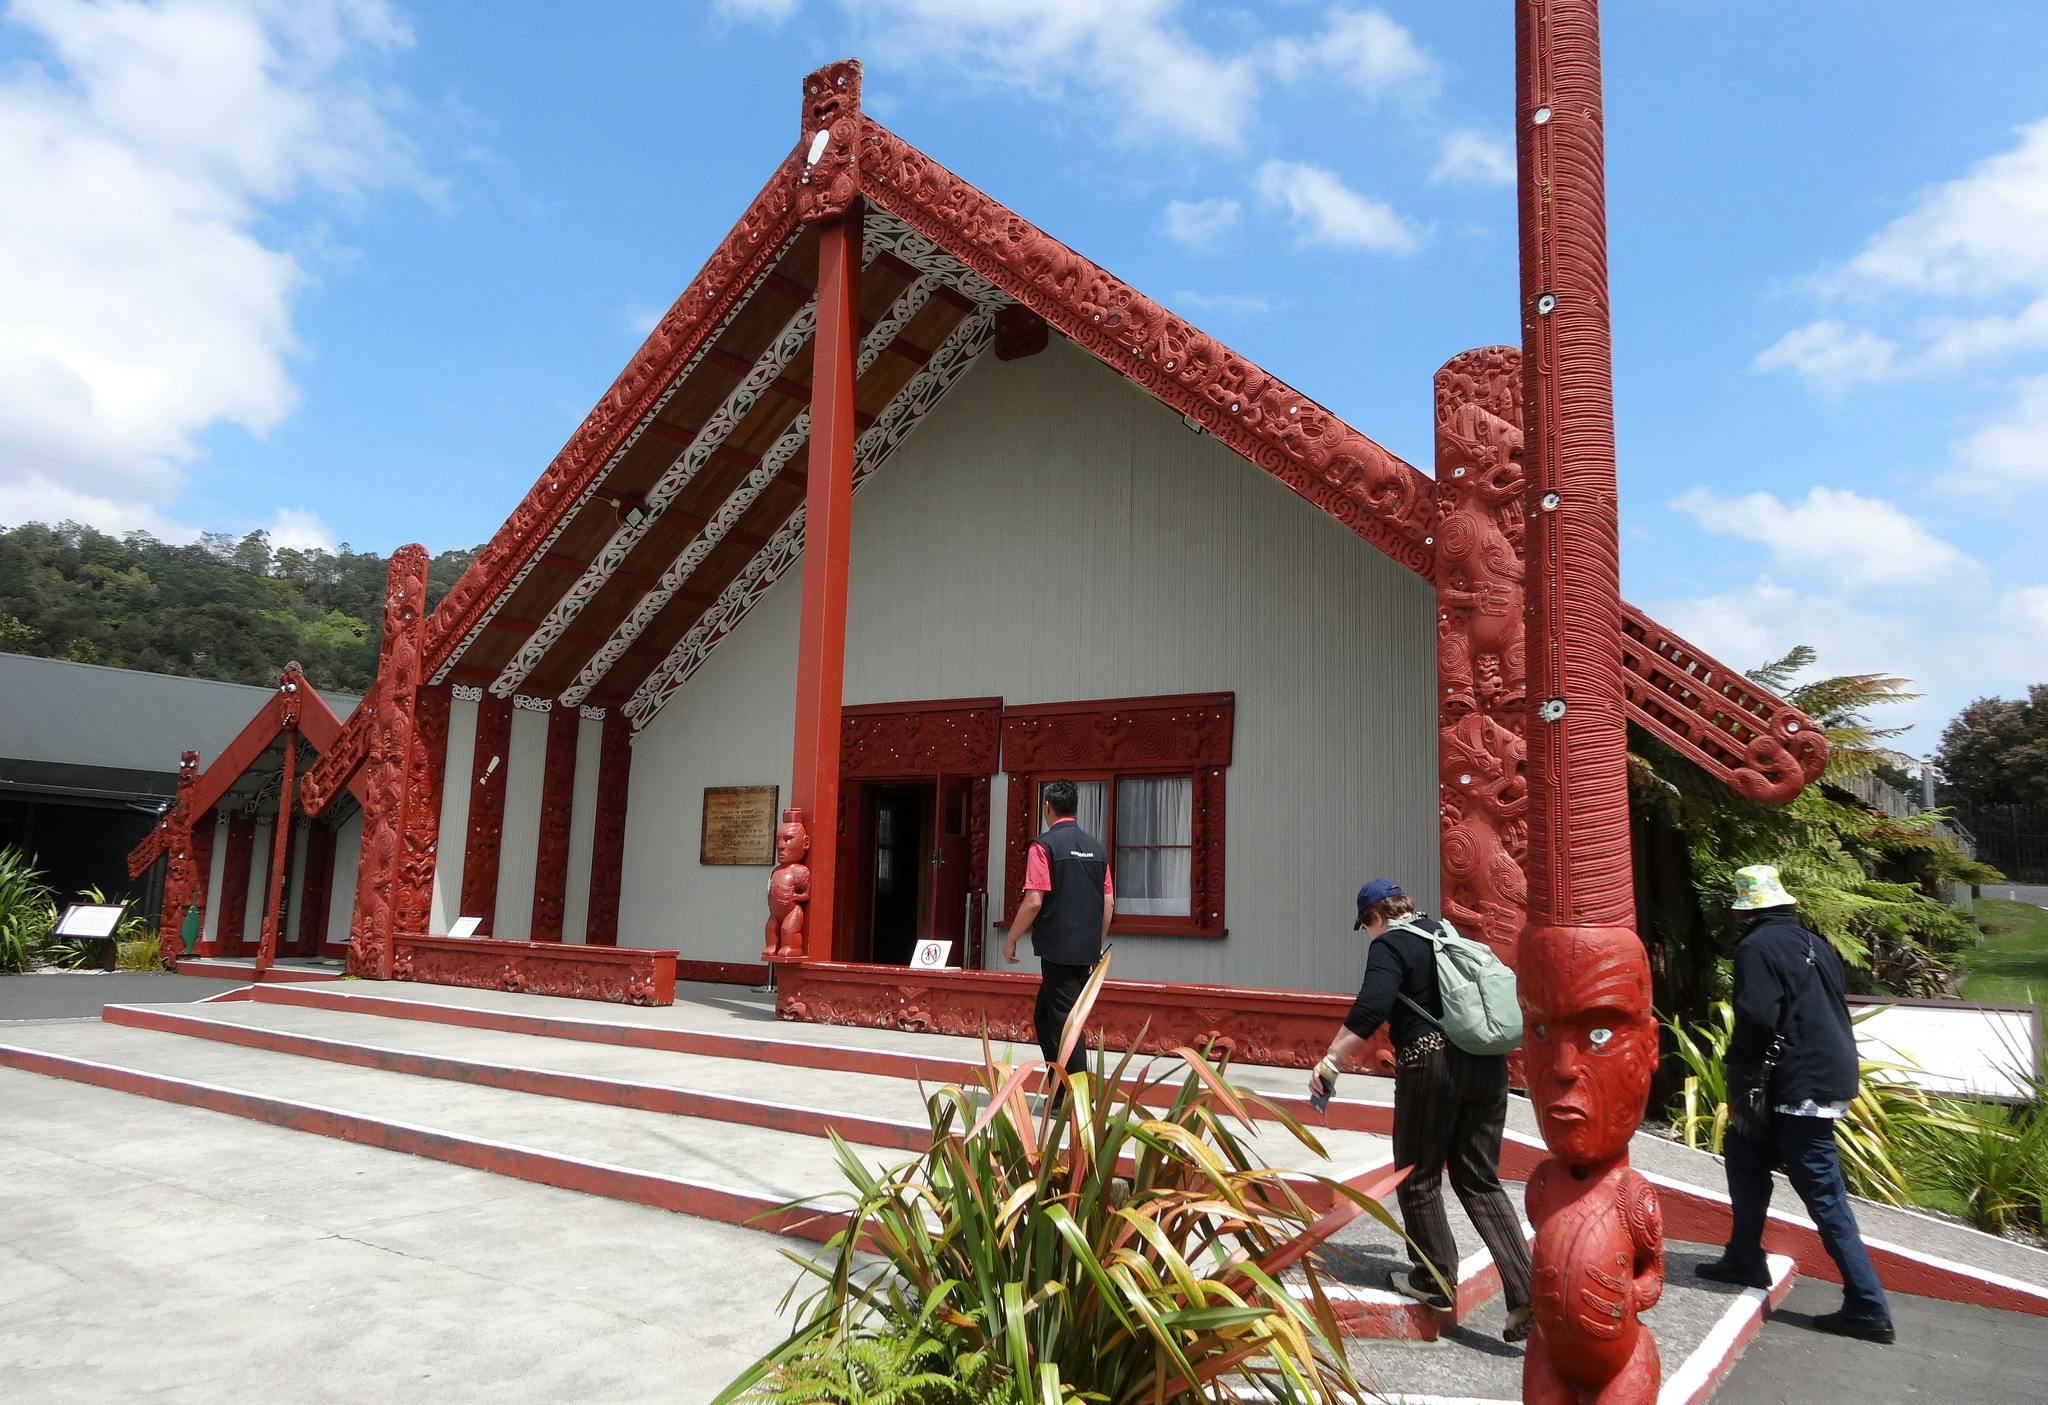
557, 798
234, 884
425, 770
608, 839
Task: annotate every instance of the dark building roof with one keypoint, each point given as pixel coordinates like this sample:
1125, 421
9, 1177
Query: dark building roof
92, 734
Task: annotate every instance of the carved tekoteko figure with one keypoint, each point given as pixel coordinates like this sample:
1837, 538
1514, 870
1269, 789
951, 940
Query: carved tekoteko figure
1591, 1046
789, 889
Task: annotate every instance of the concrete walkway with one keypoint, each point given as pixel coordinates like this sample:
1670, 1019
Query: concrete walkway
81, 995
163, 1253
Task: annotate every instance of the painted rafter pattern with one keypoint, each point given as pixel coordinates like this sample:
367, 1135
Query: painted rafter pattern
904, 413
907, 305
736, 268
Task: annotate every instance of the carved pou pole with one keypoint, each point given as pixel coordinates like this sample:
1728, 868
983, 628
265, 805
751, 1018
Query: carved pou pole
1585, 979
789, 889
183, 882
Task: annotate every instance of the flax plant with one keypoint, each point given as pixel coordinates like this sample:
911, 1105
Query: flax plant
1121, 1242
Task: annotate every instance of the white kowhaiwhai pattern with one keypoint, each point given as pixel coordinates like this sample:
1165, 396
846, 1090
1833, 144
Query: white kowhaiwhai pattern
597, 479
785, 548
742, 498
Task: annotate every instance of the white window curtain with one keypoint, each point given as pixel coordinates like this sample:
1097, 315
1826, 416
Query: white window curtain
1154, 839
1091, 810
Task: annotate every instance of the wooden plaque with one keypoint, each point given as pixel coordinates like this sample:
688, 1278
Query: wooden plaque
739, 824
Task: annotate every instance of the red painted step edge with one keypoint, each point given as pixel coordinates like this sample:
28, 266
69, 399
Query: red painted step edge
686, 1197
238, 971
612, 1092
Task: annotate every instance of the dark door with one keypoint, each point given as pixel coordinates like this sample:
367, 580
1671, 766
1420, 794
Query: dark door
952, 870
898, 870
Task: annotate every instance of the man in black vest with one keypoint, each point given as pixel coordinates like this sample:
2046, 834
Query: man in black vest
1067, 903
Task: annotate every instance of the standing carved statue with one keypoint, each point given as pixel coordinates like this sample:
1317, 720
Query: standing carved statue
789, 889
1591, 1047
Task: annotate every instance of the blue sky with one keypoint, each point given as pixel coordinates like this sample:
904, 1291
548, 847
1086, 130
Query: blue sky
352, 270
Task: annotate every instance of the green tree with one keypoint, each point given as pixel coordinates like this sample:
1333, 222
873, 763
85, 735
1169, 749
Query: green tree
1995, 752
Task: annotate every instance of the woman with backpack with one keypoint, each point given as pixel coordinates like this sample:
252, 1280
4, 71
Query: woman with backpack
1450, 1106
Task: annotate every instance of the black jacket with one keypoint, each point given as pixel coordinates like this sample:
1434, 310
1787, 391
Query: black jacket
1781, 965
1068, 931
1398, 963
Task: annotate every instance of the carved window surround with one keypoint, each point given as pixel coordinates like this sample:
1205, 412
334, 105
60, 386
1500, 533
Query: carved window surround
1185, 735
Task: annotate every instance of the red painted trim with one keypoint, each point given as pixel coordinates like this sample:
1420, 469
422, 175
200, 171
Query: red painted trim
522, 1163
723, 972
1755, 1310
280, 844
894, 741
426, 769
383, 873
490, 768
611, 1092
249, 971
234, 886
318, 893
821, 630
608, 839
557, 799
621, 975
203, 825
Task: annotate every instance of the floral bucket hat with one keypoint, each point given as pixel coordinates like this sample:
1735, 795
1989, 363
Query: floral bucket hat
1759, 886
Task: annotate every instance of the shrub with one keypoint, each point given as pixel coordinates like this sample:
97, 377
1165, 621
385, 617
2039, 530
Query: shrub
27, 912
1121, 1244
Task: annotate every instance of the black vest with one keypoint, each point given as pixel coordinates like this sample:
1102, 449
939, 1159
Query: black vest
1069, 926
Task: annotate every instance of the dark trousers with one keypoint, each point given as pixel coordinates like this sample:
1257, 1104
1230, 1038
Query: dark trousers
1805, 1147
1056, 996
1449, 1111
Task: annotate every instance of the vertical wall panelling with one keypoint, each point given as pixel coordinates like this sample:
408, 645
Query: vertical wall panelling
211, 835
489, 769
1209, 577
295, 888
557, 800
319, 893
234, 882
259, 880
341, 902
454, 809
521, 842
582, 825
609, 832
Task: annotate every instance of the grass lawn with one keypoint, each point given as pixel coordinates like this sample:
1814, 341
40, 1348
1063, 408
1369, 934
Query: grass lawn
2012, 963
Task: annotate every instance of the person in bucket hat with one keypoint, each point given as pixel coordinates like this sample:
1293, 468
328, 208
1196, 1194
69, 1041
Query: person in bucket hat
1788, 983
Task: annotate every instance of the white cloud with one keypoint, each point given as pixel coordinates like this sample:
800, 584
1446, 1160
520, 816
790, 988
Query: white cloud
1130, 57
145, 298
1325, 211
769, 12
642, 317
1977, 235
296, 529
1373, 55
1957, 342
1240, 304
1474, 158
1838, 536
1200, 224
1830, 355
2011, 451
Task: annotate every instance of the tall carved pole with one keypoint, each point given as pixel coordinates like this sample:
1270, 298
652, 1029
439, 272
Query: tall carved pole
281, 832
1584, 977
386, 793
181, 866
826, 191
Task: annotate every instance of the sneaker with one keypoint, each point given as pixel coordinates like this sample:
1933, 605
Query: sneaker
1430, 1297
1722, 1271
1520, 1321
1863, 1329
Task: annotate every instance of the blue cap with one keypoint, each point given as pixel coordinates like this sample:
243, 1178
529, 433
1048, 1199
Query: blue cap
1379, 890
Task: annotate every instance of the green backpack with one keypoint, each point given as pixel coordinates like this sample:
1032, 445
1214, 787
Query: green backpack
1481, 1013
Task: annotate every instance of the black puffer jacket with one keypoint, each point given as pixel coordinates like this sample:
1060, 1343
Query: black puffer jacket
1779, 963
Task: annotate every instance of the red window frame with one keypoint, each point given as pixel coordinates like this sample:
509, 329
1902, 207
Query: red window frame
1126, 738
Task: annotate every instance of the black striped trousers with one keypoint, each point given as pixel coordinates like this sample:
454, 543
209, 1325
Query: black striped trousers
1450, 1109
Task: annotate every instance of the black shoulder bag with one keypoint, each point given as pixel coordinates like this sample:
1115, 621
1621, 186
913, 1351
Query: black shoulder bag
1749, 1084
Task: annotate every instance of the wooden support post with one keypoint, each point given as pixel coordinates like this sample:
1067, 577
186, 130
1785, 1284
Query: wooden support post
608, 838
387, 769
426, 767
1584, 978
280, 843
181, 875
234, 884
489, 765
557, 798
821, 634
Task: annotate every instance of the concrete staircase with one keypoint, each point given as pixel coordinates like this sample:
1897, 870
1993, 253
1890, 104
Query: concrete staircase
711, 1108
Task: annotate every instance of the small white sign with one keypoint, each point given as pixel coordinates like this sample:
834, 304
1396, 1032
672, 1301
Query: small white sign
931, 956
1951, 1047
89, 920
465, 926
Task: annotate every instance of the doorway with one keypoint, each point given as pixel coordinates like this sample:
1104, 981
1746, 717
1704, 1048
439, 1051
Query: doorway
914, 871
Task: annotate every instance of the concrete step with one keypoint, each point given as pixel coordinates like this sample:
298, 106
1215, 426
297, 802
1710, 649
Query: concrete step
1357, 1259
1701, 1329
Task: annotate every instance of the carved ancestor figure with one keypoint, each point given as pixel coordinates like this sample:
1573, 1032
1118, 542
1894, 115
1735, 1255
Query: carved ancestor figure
1591, 1046
1482, 801
831, 142
789, 889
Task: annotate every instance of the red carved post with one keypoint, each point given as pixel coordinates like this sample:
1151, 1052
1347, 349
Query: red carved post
386, 771
234, 884
487, 772
608, 838
319, 888
180, 871
825, 195
202, 874
281, 832
557, 797
1481, 662
1585, 979
426, 765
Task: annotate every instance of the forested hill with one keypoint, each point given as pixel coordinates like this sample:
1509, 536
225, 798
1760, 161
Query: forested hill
221, 607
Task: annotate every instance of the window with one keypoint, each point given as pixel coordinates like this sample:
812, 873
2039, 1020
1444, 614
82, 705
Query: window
1149, 772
